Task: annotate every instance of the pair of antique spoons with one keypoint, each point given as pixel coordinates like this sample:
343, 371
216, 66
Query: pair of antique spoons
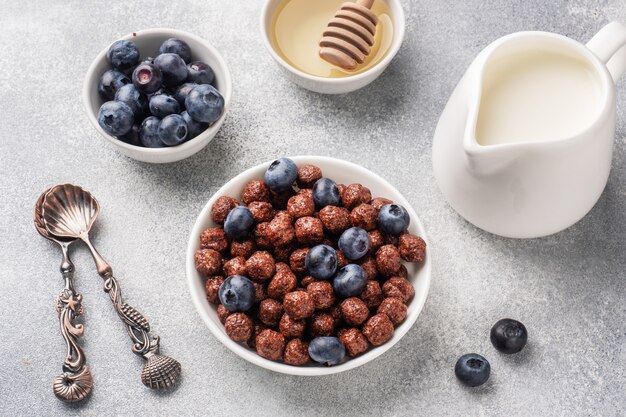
63, 214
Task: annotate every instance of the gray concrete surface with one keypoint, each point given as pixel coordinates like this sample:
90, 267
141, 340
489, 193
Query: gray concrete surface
569, 289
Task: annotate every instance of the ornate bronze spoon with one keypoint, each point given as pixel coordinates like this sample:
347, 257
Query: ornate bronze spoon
69, 212
76, 382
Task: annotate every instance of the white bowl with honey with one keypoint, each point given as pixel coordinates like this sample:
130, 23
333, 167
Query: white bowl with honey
294, 29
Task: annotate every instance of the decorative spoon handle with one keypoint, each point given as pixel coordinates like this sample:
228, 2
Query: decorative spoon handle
76, 382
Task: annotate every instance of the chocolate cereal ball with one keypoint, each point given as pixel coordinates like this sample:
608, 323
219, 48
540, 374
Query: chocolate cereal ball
244, 248
261, 211
283, 253
412, 248
212, 287
214, 238
307, 175
281, 230
388, 260
296, 260
399, 287
255, 190
335, 219
284, 281
379, 202
402, 272
394, 308
372, 294
321, 324
222, 313
239, 327
309, 230
296, 352
341, 258
260, 266
369, 266
364, 216
335, 311
257, 329
235, 266
222, 206
260, 291
270, 312
262, 235
376, 240
355, 194
298, 304
322, 294
290, 327
306, 281
354, 341
378, 329
354, 311
270, 344
208, 262
301, 204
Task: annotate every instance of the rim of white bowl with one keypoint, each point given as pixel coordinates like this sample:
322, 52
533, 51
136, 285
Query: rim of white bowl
87, 92
201, 304
398, 39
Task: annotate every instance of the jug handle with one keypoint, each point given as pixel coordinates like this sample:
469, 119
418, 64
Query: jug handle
609, 45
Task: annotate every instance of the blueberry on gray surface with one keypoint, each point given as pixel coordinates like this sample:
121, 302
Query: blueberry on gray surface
393, 219
132, 136
509, 336
349, 281
200, 73
321, 262
147, 78
280, 175
193, 128
110, 82
204, 103
238, 223
325, 193
354, 243
327, 350
173, 69
182, 91
472, 369
178, 47
123, 55
138, 102
173, 130
149, 133
162, 105
237, 293
116, 118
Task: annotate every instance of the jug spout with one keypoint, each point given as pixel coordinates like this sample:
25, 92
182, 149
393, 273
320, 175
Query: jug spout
491, 159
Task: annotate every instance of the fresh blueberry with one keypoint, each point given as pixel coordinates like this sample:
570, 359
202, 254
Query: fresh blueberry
354, 243
349, 281
149, 133
116, 118
509, 336
280, 175
204, 103
193, 128
147, 78
200, 73
237, 293
181, 93
123, 55
173, 69
110, 82
238, 223
393, 219
178, 47
472, 369
162, 105
134, 99
321, 262
325, 193
173, 130
327, 350
132, 137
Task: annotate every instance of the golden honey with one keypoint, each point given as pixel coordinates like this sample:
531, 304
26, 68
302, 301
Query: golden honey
297, 28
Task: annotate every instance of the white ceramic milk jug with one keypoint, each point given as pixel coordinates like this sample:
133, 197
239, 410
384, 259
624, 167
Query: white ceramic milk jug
524, 146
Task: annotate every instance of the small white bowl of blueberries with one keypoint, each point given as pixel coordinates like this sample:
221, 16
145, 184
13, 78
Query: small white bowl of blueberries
158, 95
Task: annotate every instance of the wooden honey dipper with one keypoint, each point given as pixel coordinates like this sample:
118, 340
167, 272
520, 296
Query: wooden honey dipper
349, 36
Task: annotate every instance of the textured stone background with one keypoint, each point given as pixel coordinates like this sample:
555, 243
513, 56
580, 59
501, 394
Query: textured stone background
569, 289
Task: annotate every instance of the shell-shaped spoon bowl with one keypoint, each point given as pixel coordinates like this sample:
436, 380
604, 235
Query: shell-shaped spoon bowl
69, 211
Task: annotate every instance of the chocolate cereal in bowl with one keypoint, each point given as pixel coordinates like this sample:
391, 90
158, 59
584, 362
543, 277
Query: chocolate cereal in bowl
308, 265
